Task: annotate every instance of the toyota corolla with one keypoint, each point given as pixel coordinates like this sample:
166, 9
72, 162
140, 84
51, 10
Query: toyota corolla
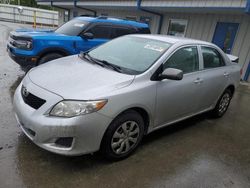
107, 99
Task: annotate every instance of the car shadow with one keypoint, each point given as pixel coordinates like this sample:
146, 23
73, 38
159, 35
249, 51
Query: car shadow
176, 127
15, 84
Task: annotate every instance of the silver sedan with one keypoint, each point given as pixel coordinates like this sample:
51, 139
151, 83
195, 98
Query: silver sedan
107, 99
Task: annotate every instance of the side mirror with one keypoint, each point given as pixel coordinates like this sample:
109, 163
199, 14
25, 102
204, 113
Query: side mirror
171, 74
87, 36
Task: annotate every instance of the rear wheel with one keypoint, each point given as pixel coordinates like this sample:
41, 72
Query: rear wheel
49, 57
123, 136
223, 104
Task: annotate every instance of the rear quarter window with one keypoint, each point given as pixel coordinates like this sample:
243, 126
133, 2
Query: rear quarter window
144, 31
120, 31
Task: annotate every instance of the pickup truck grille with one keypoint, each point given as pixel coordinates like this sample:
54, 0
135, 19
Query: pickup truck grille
31, 100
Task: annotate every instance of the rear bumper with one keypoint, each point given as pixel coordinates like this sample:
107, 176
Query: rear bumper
22, 60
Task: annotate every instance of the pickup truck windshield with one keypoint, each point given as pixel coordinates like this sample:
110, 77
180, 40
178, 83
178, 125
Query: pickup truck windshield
133, 55
72, 28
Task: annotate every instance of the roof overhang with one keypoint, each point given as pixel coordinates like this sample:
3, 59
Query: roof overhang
157, 7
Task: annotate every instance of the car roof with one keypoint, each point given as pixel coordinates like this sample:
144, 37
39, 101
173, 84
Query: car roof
113, 20
173, 39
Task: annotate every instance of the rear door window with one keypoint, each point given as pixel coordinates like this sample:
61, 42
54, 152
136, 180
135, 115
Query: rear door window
211, 58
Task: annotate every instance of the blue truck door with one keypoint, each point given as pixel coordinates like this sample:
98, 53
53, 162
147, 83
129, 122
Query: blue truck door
101, 33
83, 45
224, 35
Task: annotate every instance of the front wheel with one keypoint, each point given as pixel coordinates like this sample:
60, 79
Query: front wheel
49, 57
223, 104
123, 136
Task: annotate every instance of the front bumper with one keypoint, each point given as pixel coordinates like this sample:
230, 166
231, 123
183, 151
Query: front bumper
86, 131
23, 60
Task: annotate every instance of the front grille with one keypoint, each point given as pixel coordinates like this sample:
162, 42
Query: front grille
31, 100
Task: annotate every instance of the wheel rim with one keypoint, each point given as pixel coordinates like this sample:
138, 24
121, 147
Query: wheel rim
225, 100
125, 137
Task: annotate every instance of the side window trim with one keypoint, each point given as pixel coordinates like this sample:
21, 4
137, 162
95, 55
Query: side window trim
185, 46
212, 47
201, 62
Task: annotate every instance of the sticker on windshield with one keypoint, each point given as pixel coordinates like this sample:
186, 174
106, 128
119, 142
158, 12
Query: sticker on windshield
79, 24
154, 47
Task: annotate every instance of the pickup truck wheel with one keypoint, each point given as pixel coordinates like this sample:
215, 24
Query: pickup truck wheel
223, 104
49, 57
123, 136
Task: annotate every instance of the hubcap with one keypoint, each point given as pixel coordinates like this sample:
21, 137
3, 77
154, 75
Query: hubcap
125, 137
225, 100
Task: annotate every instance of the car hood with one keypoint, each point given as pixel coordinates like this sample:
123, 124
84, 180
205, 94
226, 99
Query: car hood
74, 78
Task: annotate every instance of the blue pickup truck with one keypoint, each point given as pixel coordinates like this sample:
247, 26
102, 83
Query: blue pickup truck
30, 48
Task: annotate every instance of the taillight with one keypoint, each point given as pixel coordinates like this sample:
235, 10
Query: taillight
241, 71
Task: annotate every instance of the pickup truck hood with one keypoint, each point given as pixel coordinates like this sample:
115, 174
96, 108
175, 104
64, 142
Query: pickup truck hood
34, 33
74, 78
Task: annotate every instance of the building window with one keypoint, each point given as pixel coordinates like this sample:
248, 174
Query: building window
66, 16
177, 27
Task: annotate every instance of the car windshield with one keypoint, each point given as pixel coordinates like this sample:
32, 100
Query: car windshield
73, 27
132, 54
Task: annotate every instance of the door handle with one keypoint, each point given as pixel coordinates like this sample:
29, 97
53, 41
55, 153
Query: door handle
226, 74
198, 81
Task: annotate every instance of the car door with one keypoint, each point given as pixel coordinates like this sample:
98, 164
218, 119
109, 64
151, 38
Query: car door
101, 34
214, 76
177, 99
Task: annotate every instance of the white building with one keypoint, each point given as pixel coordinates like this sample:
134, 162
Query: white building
223, 22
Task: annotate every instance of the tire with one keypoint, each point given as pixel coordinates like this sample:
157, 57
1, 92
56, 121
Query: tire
118, 143
222, 104
49, 57
26, 69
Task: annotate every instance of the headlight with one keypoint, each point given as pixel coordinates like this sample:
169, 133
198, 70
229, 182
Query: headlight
23, 44
71, 108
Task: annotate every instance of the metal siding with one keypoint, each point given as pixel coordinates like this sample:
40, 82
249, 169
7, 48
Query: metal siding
195, 3
206, 27
244, 52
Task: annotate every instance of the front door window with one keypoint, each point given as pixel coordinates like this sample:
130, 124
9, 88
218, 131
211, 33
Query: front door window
185, 59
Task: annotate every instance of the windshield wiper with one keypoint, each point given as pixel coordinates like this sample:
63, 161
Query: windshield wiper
86, 55
100, 62
112, 66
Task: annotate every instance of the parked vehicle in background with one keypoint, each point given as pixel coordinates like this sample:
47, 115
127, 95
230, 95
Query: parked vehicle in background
113, 95
30, 48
